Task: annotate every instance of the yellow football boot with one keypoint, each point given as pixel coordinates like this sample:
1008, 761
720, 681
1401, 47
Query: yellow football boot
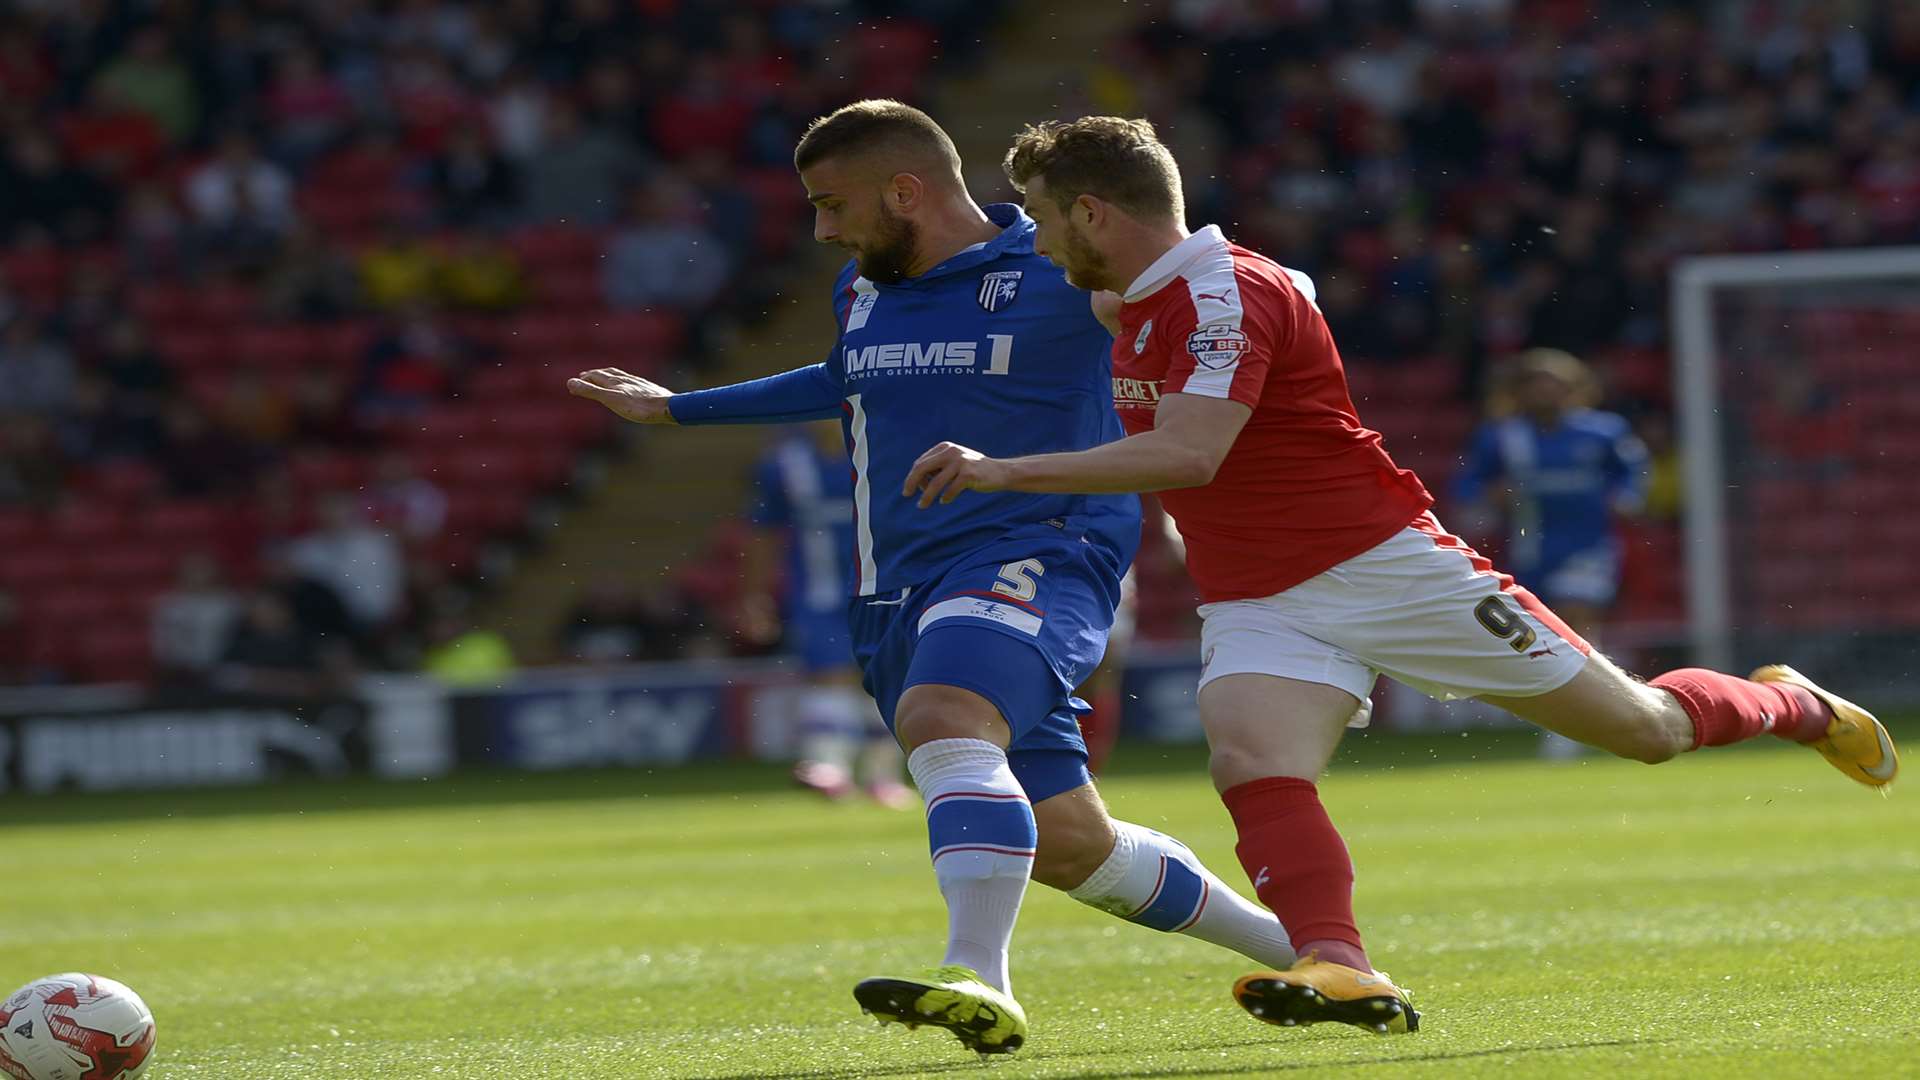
952, 997
1855, 742
1313, 990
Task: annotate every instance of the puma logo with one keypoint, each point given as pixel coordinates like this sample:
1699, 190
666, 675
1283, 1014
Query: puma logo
1538, 653
1222, 297
1260, 878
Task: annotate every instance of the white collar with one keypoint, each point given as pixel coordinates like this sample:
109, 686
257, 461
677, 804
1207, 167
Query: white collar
1168, 266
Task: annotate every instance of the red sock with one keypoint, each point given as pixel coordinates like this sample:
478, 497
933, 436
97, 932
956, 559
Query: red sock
1298, 865
1101, 728
1727, 709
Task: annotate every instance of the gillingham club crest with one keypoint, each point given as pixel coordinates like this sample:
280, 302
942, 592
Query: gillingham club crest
998, 289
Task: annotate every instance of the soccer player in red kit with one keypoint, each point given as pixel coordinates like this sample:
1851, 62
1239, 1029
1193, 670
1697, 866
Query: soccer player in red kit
1320, 562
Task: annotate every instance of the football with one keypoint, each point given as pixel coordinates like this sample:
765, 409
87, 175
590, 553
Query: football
75, 1027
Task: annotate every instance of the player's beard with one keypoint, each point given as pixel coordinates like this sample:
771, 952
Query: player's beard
1086, 267
896, 243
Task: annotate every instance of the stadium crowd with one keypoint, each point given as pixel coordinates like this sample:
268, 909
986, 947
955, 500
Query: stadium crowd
265, 263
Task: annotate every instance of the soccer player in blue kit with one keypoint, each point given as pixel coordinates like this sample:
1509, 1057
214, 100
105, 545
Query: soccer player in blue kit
1567, 470
803, 510
972, 625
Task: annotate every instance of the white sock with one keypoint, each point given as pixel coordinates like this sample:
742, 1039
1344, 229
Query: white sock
1154, 880
980, 828
828, 727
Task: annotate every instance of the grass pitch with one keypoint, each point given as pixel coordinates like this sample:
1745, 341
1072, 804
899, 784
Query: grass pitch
1739, 914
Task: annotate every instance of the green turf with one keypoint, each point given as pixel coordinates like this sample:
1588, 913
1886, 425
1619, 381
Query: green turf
1730, 915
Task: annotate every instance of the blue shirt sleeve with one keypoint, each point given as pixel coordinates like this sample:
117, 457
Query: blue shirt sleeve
808, 393
1482, 467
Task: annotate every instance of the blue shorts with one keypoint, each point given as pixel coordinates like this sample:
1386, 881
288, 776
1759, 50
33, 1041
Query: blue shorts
820, 640
1021, 622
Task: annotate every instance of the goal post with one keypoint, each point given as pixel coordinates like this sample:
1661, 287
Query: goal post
1797, 388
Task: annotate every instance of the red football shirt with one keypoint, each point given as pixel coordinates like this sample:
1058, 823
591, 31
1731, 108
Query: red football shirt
1305, 486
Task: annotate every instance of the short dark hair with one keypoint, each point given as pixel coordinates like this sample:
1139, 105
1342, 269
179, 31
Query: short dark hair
1109, 157
876, 125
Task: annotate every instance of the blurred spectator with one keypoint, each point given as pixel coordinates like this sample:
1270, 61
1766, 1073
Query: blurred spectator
254, 411
580, 172
461, 654
36, 372
322, 412
403, 500
415, 360
148, 76
193, 622
479, 273
399, 270
357, 559
309, 108
1666, 485
667, 257
153, 227
112, 136
198, 457
29, 459
44, 198
618, 623
473, 184
311, 279
270, 653
240, 194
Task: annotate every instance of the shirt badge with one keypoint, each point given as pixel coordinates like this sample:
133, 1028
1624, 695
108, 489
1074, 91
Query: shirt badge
999, 288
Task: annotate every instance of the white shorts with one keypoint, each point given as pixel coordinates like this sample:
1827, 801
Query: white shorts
1422, 608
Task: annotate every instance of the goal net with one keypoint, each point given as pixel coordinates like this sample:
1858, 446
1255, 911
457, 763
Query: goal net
1798, 388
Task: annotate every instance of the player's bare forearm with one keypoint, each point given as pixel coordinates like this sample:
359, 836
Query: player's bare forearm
1190, 439
1149, 462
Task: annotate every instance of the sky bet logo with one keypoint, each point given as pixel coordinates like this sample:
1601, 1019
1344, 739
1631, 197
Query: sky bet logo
935, 357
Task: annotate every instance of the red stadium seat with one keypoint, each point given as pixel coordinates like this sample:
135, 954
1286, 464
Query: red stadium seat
122, 482
181, 520
573, 289
114, 652
544, 335
82, 521
319, 471
650, 334
543, 247
18, 528
134, 565
275, 348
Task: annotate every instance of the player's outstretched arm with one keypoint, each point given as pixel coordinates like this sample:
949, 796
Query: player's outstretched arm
1190, 439
630, 397
808, 393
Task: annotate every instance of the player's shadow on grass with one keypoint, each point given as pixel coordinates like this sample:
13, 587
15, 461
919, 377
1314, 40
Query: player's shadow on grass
877, 1072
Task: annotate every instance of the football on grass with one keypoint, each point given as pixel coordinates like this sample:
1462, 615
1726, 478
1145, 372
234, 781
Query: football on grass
75, 1027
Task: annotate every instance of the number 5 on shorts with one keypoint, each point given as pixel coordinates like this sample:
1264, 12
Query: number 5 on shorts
1016, 579
1503, 622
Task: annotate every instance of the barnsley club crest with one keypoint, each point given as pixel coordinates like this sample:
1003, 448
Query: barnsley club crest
998, 289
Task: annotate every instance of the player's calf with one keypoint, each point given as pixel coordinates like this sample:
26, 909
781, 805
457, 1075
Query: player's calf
1148, 878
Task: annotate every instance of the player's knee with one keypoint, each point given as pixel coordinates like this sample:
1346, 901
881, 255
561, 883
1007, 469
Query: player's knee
930, 712
1231, 764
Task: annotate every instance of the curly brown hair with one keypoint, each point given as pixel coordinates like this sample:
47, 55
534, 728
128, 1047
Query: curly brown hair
1112, 158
